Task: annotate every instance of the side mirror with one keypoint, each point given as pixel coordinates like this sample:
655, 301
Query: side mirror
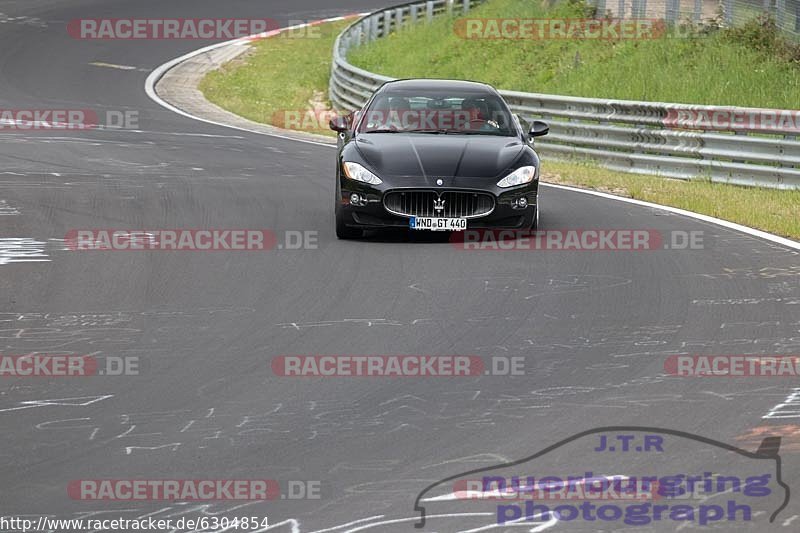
539, 128
340, 123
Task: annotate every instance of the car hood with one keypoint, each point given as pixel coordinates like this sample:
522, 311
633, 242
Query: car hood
433, 156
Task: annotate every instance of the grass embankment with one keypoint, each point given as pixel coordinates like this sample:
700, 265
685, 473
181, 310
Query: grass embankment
286, 73
748, 66
281, 74
769, 210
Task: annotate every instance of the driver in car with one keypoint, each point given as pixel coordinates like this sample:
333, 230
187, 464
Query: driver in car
480, 116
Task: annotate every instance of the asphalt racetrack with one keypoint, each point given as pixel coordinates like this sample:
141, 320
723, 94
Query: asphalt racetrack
593, 328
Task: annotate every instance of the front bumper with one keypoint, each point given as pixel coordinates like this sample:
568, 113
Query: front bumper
374, 215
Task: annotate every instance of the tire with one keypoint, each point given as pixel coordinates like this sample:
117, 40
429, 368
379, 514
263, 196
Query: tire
343, 231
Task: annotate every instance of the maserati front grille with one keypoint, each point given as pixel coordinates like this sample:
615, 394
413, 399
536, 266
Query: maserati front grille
448, 204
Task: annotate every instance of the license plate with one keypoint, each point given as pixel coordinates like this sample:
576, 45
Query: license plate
439, 224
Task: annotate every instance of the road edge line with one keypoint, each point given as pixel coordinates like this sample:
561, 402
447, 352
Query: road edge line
158, 73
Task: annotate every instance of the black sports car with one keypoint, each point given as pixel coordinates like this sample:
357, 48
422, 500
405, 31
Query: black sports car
438, 155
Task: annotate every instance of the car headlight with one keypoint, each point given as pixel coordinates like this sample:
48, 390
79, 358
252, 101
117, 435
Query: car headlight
354, 171
520, 176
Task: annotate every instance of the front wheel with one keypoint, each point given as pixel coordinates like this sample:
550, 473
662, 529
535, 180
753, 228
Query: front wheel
343, 231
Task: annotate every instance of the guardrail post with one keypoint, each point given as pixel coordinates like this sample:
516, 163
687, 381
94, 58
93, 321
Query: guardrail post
780, 14
698, 11
621, 8
369, 30
466, 6
449, 7
600, 7
673, 10
729, 12
797, 17
429, 10
413, 14
374, 28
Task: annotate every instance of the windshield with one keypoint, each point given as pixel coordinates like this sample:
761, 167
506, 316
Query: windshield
474, 113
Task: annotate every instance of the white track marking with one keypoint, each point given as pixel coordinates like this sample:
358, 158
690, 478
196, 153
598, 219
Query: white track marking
158, 73
518, 522
82, 401
354, 522
22, 250
115, 66
7, 210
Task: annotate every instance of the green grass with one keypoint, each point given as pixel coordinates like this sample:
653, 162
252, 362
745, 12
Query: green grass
287, 73
280, 74
771, 210
718, 69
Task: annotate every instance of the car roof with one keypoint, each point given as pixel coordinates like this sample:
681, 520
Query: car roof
438, 84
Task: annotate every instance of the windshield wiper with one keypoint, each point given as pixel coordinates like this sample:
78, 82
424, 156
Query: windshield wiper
452, 131
428, 130
435, 131
382, 130
498, 133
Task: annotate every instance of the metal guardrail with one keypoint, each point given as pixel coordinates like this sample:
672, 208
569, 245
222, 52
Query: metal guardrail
643, 137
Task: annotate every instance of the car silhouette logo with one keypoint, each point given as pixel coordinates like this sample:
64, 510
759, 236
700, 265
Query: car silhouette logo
506, 491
